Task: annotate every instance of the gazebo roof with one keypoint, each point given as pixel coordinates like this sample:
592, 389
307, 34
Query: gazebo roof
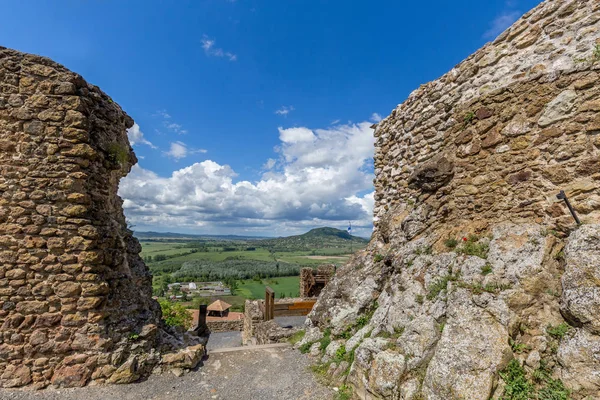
219, 305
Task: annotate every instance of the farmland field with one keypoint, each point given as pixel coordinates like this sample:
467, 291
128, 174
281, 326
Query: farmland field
288, 286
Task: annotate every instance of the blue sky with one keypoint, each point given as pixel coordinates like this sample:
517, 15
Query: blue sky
252, 117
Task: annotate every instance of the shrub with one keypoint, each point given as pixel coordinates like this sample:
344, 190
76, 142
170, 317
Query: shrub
117, 154
451, 243
378, 257
175, 314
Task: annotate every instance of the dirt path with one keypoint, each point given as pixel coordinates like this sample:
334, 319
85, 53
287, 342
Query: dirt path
267, 374
327, 257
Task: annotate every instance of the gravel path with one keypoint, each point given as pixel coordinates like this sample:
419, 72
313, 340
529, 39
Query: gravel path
221, 340
266, 374
291, 321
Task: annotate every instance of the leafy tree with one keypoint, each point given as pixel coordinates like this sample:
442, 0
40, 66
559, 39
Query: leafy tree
175, 314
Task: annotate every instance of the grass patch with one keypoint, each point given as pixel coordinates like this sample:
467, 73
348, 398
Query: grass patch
472, 247
344, 393
517, 347
423, 250
439, 286
486, 269
325, 340
518, 387
251, 289
340, 354
478, 288
559, 331
296, 337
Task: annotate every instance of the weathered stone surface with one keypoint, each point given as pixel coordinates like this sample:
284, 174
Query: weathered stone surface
581, 280
72, 284
467, 267
432, 175
579, 360
187, 358
559, 108
71, 376
472, 350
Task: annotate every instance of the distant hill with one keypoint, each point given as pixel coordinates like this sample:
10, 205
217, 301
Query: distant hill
180, 236
317, 238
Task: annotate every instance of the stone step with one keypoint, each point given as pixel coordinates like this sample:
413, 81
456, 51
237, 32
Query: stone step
250, 348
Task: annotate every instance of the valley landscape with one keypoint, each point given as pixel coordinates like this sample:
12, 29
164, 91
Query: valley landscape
245, 264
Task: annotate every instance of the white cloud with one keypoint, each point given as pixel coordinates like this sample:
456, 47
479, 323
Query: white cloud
321, 180
501, 23
168, 124
295, 135
136, 136
209, 48
269, 164
375, 117
180, 150
162, 113
285, 110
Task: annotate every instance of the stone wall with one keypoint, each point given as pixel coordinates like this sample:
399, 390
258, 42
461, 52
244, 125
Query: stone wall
225, 326
498, 136
475, 268
73, 289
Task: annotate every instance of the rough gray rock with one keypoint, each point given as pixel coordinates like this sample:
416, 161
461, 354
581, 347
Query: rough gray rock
579, 360
472, 350
581, 280
445, 324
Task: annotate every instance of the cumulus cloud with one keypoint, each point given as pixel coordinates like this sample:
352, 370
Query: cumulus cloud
295, 135
136, 136
321, 179
285, 110
211, 50
501, 23
179, 150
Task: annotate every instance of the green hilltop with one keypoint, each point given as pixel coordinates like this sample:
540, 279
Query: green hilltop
317, 238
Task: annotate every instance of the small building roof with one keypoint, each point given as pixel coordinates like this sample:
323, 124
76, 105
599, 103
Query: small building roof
219, 305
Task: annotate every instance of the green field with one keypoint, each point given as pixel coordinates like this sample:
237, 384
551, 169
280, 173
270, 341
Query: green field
289, 286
